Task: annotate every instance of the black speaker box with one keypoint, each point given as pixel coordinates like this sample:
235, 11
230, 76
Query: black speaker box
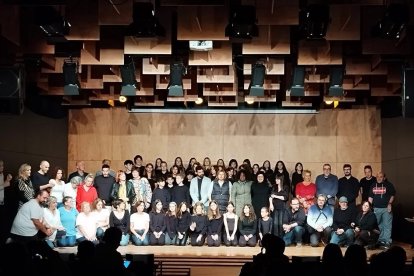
12, 90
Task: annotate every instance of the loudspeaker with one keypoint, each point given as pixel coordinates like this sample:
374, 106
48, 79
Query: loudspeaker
408, 93
12, 90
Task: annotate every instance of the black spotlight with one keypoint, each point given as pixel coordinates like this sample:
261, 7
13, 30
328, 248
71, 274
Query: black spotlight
256, 84
242, 23
71, 81
336, 79
393, 23
298, 83
314, 21
129, 81
144, 24
51, 22
175, 87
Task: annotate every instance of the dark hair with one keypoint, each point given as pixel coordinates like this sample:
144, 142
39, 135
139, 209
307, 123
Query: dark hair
347, 166
368, 167
116, 202
137, 156
199, 168
297, 164
160, 179
105, 166
126, 162
56, 169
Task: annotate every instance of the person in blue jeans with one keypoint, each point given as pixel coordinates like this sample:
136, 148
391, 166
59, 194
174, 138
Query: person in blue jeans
293, 223
344, 216
139, 225
381, 196
320, 221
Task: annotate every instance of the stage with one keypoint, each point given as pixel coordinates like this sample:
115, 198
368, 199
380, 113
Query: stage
200, 261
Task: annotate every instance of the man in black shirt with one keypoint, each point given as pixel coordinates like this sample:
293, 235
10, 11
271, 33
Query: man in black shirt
293, 221
367, 182
348, 186
40, 179
381, 196
103, 184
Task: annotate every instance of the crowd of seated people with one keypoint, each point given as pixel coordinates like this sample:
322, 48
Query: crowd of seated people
204, 204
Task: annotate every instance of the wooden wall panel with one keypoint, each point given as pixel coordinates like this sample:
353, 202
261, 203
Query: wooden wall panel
332, 136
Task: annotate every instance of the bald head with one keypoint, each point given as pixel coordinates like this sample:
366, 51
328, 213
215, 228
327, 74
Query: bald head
44, 167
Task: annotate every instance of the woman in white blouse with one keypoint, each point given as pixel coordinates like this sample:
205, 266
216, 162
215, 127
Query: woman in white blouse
139, 225
101, 214
58, 187
51, 218
86, 224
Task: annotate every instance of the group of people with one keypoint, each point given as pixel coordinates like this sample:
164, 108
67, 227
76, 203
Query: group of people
202, 203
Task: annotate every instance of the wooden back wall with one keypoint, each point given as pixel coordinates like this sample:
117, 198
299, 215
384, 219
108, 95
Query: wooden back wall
331, 136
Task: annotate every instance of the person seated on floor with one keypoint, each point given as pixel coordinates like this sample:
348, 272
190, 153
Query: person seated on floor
343, 234
293, 223
247, 226
366, 226
319, 221
198, 226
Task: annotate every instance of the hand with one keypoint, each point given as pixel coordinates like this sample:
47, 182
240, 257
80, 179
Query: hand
246, 237
142, 238
389, 208
193, 226
180, 236
198, 238
9, 177
271, 208
49, 232
352, 224
319, 229
340, 231
228, 237
357, 229
232, 237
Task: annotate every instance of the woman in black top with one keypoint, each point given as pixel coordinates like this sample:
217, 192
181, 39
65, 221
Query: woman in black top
183, 223
247, 227
198, 226
171, 223
297, 177
215, 224
277, 201
267, 170
260, 192
157, 224
280, 169
366, 226
265, 224
120, 218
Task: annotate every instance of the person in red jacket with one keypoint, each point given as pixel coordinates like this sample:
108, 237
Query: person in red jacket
86, 192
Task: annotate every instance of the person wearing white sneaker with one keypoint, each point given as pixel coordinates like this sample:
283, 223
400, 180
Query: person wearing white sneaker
293, 223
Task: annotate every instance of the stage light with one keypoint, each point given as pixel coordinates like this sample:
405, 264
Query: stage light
242, 23
250, 101
175, 86
336, 79
144, 24
298, 84
71, 78
257, 80
199, 100
393, 23
51, 22
313, 21
129, 82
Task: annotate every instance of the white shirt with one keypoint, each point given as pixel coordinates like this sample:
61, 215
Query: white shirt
88, 223
139, 220
52, 220
69, 191
57, 190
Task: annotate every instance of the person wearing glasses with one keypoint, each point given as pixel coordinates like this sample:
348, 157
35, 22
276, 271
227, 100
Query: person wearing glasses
327, 184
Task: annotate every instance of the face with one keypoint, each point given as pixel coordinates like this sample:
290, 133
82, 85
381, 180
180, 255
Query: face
266, 164
221, 175
230, 208
264, 213
183, 208
52, 205
170, 180
206, 162
368, 173
149, 168
138, 162
343, 205
88, 181
347, 171
174, 170
122, 177
99, 205
299, 167
81, 166
192, 161
220, 162
279, 166
158, 206
86, 208
135, 174
242, 177
27, 171
233, 165
307, 177
213, 206
178, 179
43, 197
200, 173
326, 170
59, 174
68, 202
164, 166
158, 162
295, 205
128, 166
260, 178
44, 167
246, 211
189, 177
278, 181
141, 207
321, 201
365, 207
178, 161
105, 172
161, 184
172, 207
380, 177
199, 210
255, 168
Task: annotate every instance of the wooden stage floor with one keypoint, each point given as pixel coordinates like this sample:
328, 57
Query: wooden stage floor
223, 251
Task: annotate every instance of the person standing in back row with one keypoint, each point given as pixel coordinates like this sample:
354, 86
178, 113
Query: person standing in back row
381, 196
327, 184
